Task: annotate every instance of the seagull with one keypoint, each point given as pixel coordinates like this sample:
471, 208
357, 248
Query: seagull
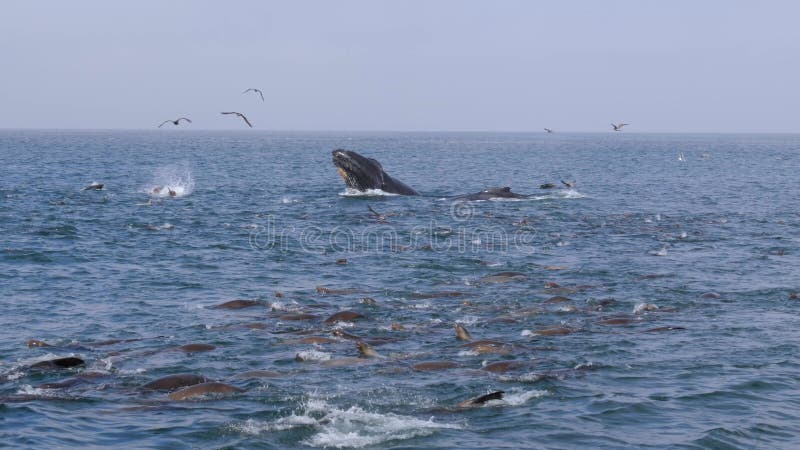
618, 127
255, 90
240, 115
175, 122
548, 130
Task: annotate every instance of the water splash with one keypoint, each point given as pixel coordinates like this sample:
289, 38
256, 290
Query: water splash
171, 181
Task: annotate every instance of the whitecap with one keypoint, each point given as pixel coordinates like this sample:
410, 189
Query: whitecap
356, 428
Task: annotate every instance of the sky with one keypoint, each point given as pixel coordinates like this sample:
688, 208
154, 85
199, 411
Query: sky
411, 65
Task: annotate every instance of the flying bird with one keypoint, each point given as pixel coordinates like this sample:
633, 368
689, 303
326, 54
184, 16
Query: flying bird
240, 115
255, 90
618, 127
548, 130
175, 122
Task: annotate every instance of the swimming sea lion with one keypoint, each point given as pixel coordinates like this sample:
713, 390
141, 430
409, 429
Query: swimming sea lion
343, 316
434, 365
176, 381
195, 348
238, 304
366, 351
58, 363
479, 401
199, 390
95, 186
503, 277
462, 333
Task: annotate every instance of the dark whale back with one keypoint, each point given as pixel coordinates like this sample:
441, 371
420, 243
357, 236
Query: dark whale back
488, 194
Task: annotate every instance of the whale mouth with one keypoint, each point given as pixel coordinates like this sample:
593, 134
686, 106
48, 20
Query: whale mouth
357, 172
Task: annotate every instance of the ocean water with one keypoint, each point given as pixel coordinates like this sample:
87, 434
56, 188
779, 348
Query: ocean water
649, 307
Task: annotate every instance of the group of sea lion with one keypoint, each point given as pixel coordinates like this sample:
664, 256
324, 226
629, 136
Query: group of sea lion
365, 174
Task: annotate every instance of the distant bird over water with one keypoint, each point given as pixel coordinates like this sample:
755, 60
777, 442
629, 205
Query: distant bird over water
175, 122
240, 115
255, 90
618, 127
548, 130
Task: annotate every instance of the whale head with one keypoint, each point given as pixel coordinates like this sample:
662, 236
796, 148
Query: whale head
364, 174
358, 172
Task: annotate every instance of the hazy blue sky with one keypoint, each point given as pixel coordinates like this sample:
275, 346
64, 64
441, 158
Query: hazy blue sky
669, 65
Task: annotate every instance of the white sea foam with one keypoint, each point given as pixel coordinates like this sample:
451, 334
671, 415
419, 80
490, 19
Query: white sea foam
313, 355
468, 320
353, 427
27, 389
517, 397
350, 192
662, 252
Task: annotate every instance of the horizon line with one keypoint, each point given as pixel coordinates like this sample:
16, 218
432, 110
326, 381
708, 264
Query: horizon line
246, 130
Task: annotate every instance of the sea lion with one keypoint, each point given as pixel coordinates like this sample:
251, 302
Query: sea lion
489, 346
343, 316
553, 331
324, 290
58, 363
95, 186
444, 294
461, 333
38, 343
558, 299
345, 335
623, 320
435, 365
238, 304
504, 366
480, 401
503, 277
199, 390
176, 381
195, 348
660, 329
366, 351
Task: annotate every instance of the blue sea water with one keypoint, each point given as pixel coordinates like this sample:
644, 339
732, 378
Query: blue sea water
652, 306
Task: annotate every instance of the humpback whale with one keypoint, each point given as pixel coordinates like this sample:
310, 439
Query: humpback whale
362, 174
